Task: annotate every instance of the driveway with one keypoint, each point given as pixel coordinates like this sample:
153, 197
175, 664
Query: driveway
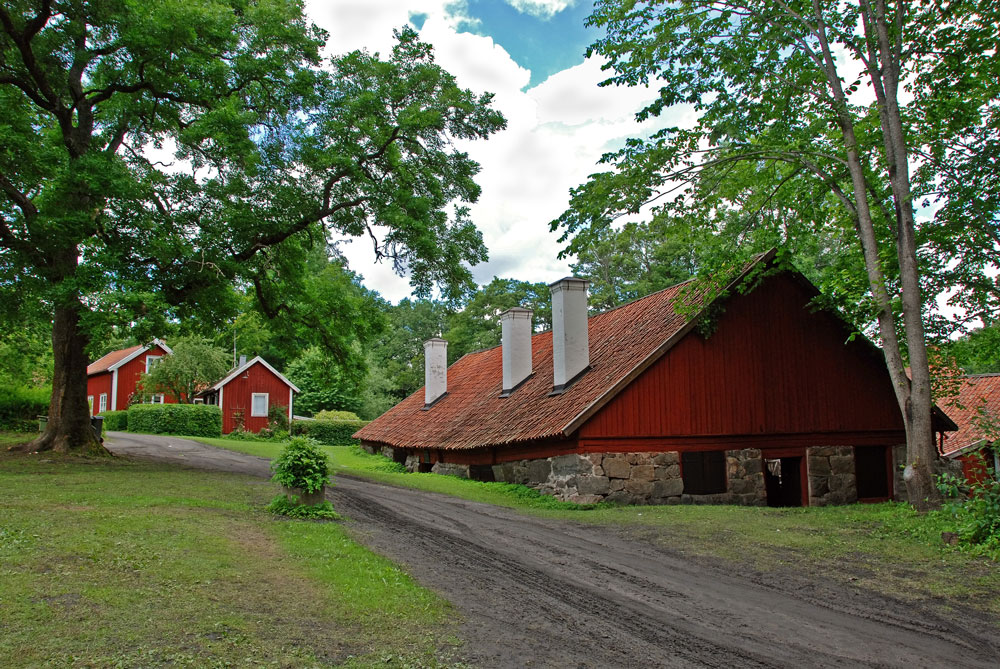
545, 593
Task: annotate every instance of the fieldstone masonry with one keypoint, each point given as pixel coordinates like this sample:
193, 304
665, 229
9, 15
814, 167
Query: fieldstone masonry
831, 475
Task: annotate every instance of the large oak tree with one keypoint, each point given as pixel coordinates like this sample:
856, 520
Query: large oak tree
800, 96
153, 155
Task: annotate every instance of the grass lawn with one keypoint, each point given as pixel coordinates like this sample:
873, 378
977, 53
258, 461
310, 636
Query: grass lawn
108, 562
887, 547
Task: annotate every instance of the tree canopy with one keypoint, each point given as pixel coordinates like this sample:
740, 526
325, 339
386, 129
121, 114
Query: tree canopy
156, 155
194, 364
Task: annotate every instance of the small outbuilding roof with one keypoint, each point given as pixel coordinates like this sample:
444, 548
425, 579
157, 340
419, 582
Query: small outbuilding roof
978, 401
247, 365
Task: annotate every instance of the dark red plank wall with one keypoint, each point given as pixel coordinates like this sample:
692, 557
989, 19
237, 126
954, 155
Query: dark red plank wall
97, 384
128, 379
772, 367
236, 397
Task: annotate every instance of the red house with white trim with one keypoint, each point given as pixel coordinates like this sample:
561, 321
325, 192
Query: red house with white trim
248, 393
113, 380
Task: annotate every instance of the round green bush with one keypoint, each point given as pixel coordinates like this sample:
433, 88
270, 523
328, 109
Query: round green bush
302, 465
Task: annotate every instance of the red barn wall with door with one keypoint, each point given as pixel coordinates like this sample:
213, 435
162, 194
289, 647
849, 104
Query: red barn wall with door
128, 379
237, 394
774, 373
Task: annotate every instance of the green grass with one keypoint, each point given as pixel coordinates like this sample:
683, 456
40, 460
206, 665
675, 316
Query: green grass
108, 562
8, 439
887, 548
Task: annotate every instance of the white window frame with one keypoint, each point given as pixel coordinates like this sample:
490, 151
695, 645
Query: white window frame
104, 403
90, 403
156, 398
149, 359
253, 405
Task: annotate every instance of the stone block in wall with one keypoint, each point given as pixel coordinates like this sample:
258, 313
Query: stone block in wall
818, 486
641, 473
388, 452
818, 465
668, 488
536, 471
571, 465
753, 465
615, 485
593, 485
504, 472
641, 490
451, 469
412, 463
666, 459
585, 499
619, 497
616, 467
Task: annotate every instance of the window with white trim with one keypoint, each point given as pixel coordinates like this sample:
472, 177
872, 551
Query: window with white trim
90, 403
104, 402
156, 399
151, 361
258, 405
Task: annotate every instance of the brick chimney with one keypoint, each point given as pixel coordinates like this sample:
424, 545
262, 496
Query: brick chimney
515, 338
570, 344
435, 370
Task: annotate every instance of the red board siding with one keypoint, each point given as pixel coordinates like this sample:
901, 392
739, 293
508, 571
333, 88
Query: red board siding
129, 375
237, 394
774, 373
96, 385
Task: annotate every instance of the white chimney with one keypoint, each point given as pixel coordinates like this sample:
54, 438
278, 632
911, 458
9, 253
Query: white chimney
243, 361
570, 346
435, 369
515, 340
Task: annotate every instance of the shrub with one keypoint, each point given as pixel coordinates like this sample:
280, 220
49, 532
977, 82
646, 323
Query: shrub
277, 418
975, 508
283, 506
196, 420
116, 421
330, 432
330, 414
20, 407
302, 465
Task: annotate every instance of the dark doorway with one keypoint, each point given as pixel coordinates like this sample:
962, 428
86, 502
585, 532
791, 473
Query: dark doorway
481, 473
783, 481
399, 456
871, 469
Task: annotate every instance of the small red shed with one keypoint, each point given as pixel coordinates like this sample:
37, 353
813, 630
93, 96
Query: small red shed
113, 380
976, 410
248, 393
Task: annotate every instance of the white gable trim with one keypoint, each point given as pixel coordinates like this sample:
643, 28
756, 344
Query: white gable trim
248, 365
136, 354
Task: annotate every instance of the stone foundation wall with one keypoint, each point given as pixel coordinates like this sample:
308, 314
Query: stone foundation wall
831, 475
898, 463
633, 478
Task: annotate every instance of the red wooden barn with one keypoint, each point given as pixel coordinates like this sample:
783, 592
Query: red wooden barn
976, 410
113, 380
753, 398
248, 393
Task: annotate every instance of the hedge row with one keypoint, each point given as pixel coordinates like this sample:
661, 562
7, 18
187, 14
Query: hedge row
196, 420
330, 432
21, 407
116, 421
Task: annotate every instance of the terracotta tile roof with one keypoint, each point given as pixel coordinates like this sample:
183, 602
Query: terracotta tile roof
472, 414
102, 364
979, 392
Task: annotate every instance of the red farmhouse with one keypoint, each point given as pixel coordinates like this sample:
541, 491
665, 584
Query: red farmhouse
752, 398
977, 412
248, 393
113, 380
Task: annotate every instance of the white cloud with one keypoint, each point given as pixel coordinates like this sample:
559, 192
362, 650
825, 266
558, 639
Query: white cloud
555, 134
543, 9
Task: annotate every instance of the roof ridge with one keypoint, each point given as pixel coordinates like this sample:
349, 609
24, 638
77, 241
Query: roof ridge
981, 376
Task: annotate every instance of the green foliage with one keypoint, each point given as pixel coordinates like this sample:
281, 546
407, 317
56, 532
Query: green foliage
477, 325
979, 351
324, 382
336, 415
26, 354
975, 509
20, 407
283, 506
330, 432
277, 418
115, 421
199, 420
303, 465
194, 364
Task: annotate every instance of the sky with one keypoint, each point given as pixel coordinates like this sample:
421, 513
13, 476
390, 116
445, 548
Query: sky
530, 54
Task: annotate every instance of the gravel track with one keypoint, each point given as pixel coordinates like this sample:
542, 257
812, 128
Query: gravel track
544, 593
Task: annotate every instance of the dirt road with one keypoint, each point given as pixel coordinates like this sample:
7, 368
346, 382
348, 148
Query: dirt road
541, 593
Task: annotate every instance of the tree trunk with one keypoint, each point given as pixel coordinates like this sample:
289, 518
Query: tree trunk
68, 428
